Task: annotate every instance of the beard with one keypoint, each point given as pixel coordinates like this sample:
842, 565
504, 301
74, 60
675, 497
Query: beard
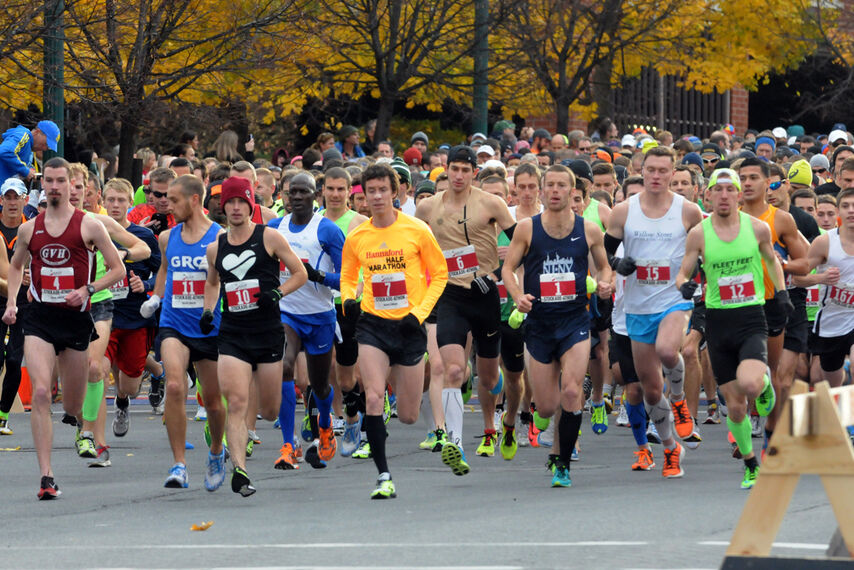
54, 201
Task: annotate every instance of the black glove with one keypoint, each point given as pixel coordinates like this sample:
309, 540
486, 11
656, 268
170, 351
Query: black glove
483, 284
313, 274
269, 300
782, 297
625, 266
206, 323
688, 289
352, 309
409, 326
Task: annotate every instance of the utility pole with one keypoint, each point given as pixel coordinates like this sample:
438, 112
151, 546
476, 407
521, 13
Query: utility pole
480, 103
54, 73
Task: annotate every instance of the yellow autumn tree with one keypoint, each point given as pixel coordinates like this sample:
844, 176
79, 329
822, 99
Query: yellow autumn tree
21, 32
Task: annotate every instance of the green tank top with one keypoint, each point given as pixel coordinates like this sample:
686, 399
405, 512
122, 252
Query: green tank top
591, 212
733, 269
507, 304
343, 224
100, 271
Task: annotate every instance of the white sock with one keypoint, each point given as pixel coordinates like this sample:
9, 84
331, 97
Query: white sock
427, 412
676, 376
662, 416
452, 401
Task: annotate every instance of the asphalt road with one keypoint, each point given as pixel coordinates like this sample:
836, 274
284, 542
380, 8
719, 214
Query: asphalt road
503, 514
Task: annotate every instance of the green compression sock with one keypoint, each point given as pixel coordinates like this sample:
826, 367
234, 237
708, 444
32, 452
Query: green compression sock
741, 432
92, 400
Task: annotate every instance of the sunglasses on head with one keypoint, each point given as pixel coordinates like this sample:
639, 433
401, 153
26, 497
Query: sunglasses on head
775, 185
158, 194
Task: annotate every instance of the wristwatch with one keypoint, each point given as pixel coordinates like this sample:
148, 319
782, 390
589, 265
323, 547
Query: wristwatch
90, 289
322, 275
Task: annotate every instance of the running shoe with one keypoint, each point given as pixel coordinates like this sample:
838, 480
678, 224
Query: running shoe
312, 455
766, 400
508, 445
575, 455
750, 475
103, 459
121, 423
467, 387
427, 444
497, 422
652, 433
305, 430
298, 449
587, 387
609, 405
207, 433
5, 429
533, 435
546, 437
385, 488
338, 426
178, 478
487, 444
155, 392
713, 415
327, 445
215, 475
201, 415
454, 457
623, 417
253, 435
673, 462
277, 424
48, 489
240, 483
287, 460
364, 451
352, 437
250, 447
561, 476
86, 445
392, 406
441, 440
736, 452
682, 418
386, 408
644, 461
757, 426
599, 419
68, 419
694, 440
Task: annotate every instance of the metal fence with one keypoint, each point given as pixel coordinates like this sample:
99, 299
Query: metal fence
653, 101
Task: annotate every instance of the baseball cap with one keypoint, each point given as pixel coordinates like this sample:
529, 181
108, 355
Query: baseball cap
486, 149
13, 185
494, 163
434, 174
542, 133
462, 153
412, 156
579, 167
51, 131
480, 136
419, 136
779, 132
628, 140
357, 189
710, 149
725, 175
800, 173
603, 155
820, 161
236, 187
42, 197
836, 135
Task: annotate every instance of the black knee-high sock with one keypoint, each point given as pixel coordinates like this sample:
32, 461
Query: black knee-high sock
375, 429
568, 426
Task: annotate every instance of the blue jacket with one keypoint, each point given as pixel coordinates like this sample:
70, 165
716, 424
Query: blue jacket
16, 153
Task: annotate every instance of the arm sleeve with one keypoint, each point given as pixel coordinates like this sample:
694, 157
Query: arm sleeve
332, 241
611, 244
153, 262
349, 276
275, 223
434, 263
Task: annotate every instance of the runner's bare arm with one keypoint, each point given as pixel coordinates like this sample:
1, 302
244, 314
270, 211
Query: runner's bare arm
519, 245
817, 255
691, 215
138, 250
212, 282
277, 245
425, 208
693, 250
775, 270
604, 214
501, 213
20, 259
4, 272
617, 220
596, 244
795, 242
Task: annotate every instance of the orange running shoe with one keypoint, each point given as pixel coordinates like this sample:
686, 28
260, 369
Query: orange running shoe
736, 452
644, 461
673, 462
328, 444
288, 460
682, 418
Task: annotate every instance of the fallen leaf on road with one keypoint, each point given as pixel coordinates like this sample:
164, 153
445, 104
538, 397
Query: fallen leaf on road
203, 526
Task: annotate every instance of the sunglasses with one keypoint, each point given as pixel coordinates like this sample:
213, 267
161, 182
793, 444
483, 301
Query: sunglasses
158, 194
775, 185
710, 160
819, 170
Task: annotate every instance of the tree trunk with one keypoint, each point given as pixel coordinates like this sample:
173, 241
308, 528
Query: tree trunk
384, 115
562, 114
600, 87
127, 145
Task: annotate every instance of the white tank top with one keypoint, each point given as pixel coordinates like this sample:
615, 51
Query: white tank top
618, 315
836, 315
658, 246
311, 298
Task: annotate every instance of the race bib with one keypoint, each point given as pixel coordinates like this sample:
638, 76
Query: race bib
389, 291
653, 271
737, 289
57, 282
812, 297
461, 261
842, 295
240, 295
120, 290
188, 289
557, 287
502, 292
284, 273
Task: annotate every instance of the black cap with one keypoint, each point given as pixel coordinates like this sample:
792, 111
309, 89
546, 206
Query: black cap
462, 153
579, 167
542, 134
711, 147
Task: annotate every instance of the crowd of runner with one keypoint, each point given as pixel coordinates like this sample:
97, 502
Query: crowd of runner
548, 273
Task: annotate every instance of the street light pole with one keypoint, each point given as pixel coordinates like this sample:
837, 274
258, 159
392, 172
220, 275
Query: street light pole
480, 102
54, 73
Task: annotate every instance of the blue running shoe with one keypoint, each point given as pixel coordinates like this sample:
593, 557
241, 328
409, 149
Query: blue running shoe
277, 424
352, 437
599, 419
215, 475
575, 456
561, 477
178, 478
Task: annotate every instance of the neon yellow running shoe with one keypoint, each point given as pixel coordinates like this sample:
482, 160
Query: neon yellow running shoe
487, 444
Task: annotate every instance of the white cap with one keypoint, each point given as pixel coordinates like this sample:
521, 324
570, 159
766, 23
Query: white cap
480, 136
13, 185
836, 135
792, 140
383, 160
493, 163
628, 140
779, 133
486, 149
42, 197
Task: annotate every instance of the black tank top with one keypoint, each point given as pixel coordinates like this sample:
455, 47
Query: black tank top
10, 237
244, 271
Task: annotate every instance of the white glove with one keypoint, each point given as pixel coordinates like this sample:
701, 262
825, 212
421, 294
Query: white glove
149, 307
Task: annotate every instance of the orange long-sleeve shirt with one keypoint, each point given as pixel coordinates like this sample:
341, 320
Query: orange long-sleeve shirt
395, 261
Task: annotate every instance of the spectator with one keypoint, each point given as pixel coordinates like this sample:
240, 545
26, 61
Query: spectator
348, 143
18, 146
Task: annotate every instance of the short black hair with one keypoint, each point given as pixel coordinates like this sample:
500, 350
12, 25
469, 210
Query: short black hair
754, 161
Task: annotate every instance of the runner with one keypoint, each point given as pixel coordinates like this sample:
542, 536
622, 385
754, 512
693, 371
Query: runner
465, 221
180, 280
309, 318
57, 326
394, 252
732, 246
654, 225
246, 259
555, 285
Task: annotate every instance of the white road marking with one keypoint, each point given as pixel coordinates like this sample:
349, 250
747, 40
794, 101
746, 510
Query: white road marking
792, 545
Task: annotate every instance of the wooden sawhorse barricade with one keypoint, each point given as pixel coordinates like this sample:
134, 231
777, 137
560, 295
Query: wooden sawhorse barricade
810, 438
